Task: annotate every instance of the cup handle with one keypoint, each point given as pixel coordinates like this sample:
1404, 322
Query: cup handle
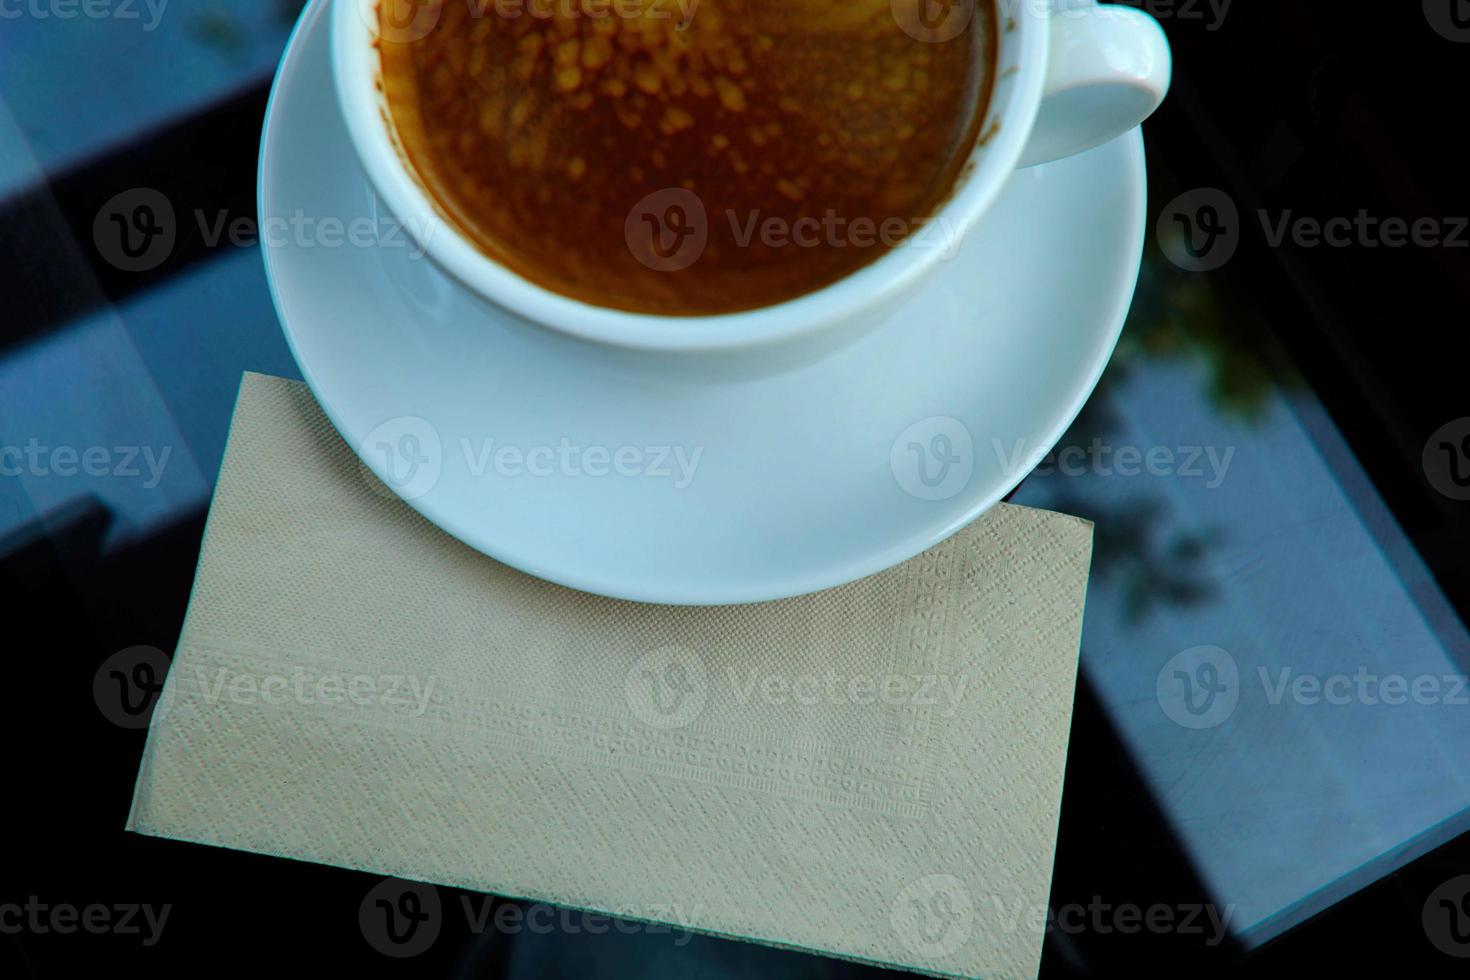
1109, 69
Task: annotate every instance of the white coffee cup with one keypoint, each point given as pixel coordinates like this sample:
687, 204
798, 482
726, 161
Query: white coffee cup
1071, 75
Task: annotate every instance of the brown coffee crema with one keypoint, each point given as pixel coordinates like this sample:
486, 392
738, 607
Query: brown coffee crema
687, 157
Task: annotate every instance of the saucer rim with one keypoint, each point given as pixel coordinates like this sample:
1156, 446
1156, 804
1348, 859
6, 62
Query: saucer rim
766, 588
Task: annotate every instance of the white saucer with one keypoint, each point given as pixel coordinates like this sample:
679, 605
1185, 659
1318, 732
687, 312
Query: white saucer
804, 480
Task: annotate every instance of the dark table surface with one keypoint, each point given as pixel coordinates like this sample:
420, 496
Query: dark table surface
1311, 531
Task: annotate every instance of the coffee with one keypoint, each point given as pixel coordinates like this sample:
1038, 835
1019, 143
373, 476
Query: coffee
686, 157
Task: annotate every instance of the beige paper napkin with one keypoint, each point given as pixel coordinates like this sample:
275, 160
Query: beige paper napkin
873, 772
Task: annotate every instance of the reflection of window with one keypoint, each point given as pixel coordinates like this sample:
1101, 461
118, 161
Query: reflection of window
1275, 554
126, 73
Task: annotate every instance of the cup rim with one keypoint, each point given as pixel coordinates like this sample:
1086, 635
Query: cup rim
1021, 64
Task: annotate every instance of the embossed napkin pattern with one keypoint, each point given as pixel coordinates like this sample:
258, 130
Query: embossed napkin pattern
872, 772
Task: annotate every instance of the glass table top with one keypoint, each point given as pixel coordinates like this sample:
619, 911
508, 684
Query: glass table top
1266, 657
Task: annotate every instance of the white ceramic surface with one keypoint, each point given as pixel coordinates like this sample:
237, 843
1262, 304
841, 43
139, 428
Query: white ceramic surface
1073, 72
805, 479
